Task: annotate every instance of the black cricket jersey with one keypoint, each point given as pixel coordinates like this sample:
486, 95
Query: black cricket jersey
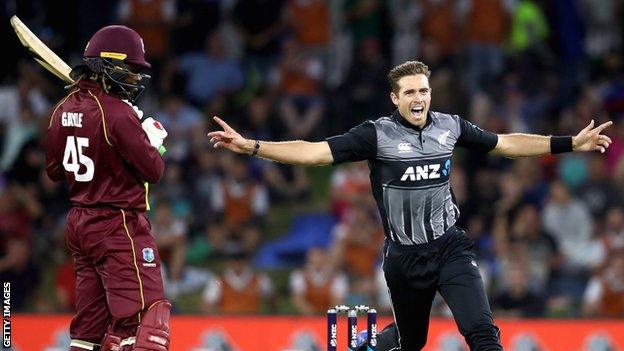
410, 169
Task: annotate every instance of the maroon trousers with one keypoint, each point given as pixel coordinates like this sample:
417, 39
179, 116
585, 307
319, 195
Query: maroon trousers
117, 270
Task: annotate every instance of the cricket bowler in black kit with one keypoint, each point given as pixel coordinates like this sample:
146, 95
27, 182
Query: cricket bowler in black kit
409, 155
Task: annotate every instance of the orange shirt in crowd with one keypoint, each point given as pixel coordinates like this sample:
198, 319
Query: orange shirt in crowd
149, 19
319, 295
238, 209
487, 22
245, 298
311, 21
438, 24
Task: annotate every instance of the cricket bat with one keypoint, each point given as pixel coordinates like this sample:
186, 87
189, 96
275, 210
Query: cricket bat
46, 57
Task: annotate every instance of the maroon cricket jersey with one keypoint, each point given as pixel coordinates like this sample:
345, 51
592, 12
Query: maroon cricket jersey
95, 141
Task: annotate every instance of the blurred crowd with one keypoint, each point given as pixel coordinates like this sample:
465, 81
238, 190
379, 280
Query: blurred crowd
548, 232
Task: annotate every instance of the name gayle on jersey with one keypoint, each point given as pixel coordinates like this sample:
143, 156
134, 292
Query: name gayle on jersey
71, 119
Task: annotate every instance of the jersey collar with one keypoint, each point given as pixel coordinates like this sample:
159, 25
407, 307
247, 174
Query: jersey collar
88, 84
396, 115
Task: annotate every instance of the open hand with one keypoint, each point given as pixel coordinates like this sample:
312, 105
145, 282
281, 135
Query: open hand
228, 138
590, 139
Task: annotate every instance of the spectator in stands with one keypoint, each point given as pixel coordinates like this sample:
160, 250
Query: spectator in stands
356, 249
173, 189
349, 186
604, 296
612, 93
297, 78
516, 110
151, 19
613, 238
208, 74
363, 19
602, 36
179, 119
16, 252
194, 21
568, 27
529, 172
171, 232
364, 88
284, 182
260, 23
239, 288
522, 233
486, 26
484, 247
65, 286
570, 223
615, 158
19, 133
31, 89
479, 194
517, 299
205, 177
23, 107
403, 17
52, 196
357, 240
511, 194
64, 278
598, 193
239, 204
529, 28
310, 22
318, 285
439, 26
261, 116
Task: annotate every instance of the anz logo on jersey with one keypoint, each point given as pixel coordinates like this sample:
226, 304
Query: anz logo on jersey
431, 171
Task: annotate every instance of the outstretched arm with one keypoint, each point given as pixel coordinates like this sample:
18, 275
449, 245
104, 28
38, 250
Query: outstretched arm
292, 152
523, 145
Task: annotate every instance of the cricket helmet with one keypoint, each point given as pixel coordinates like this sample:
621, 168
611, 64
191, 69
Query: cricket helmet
117, 42
116, 52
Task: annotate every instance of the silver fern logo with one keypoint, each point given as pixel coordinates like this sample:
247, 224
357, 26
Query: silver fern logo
442, 138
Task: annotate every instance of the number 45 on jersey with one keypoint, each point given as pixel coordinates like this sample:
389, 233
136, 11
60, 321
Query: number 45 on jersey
73, 158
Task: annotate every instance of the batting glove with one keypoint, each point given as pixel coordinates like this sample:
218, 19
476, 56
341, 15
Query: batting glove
156, 133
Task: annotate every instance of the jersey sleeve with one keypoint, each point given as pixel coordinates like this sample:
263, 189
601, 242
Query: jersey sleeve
359, 143
134, 147
474, 138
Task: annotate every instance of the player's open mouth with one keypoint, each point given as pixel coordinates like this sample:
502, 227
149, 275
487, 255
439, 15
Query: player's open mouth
417, 111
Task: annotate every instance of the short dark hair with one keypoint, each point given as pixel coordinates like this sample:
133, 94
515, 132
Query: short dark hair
408, 68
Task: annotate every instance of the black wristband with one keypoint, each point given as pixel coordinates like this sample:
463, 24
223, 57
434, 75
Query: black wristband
560, 144
256, 148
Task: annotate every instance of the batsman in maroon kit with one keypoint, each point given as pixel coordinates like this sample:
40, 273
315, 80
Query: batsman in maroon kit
97, 143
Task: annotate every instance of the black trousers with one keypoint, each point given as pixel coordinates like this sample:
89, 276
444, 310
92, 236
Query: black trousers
446, 265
